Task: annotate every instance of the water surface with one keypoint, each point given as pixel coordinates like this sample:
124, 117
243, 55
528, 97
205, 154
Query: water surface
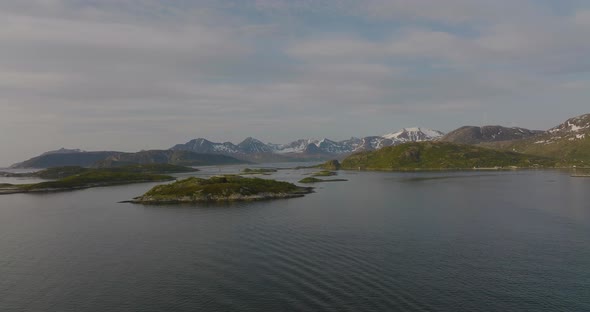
468, 241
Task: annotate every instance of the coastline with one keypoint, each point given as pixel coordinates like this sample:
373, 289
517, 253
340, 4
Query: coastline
16, 189
220, 199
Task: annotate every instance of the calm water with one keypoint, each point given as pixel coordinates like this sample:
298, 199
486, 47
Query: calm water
489, 241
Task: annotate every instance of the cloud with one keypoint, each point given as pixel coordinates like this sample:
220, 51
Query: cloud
126, 74
551, 45
449, 12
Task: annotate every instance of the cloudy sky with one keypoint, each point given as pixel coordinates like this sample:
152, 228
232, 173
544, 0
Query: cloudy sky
139, 74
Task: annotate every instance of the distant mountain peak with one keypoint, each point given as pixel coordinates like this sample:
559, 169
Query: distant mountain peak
486, 134
252, 145
251, 140
414, 134
576, 124
63, 151
573, 129
314, 147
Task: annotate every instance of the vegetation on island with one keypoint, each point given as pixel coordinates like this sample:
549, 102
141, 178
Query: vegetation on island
66, 171
220, 188
94, 179
57, 172
73, 177
308, 180
263, 171
442, 155
324, 173
153, 168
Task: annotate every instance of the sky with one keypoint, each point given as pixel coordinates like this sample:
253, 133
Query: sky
147, 74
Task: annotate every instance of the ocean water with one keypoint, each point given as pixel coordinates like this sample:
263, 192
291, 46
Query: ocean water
430, 241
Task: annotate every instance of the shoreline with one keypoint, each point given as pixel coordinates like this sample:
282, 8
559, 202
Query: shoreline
7, 190
222, 199
454, 169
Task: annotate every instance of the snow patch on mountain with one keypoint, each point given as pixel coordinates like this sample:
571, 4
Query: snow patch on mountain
572, 129
312, 146
414, 135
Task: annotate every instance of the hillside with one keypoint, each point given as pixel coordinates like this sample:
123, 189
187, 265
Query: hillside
249, 150
476, 135
441, 155
63, 157
55, 173
183, 158
568, 142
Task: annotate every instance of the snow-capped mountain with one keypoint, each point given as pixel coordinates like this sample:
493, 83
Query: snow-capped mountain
487, 134
205, 146
251, 145
298, 146
317, 146
568, 142
572, 126
414, 135
311, 147
573, 129
374, 143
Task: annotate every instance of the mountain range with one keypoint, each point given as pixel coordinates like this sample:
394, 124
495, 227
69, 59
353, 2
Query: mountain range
199, 152
252, 149
569, 142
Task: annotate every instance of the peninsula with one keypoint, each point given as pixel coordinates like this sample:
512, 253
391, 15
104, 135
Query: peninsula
75, 178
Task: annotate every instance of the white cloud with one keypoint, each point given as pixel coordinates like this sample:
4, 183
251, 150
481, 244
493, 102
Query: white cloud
125, 74
447, 12
582, 18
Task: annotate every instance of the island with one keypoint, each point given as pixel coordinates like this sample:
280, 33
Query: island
263, 171
75, 178
316, 180
227, 188
324, 173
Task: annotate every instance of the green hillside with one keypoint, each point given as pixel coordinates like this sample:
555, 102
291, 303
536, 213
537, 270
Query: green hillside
441, 155
181, 158
568, 142
576, 152
74, 178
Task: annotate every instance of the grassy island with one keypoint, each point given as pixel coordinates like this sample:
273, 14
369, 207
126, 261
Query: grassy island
220, 189
324, 173
442, 155
74, 178
316, 180
263, 171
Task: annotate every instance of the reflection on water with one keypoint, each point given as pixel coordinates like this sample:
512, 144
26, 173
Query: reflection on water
466, 241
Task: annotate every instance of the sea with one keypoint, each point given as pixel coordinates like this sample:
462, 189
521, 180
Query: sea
381, 241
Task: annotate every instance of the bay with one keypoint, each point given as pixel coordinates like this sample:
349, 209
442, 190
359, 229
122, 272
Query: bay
382, 241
